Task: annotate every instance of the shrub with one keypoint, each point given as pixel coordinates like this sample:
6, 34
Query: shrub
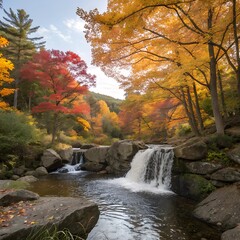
16, 132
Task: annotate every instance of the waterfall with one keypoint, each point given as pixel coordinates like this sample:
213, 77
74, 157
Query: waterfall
76, 162
152, 166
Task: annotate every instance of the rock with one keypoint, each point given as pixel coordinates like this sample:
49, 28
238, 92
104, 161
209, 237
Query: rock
191, 186
194, 149
11, 184
28, 179
233, 131
95, 159
202, 168
66, 154
19, 171
234, 154
51, 160
17, 196
227, 175
41, 171
77, 215
15, 177
88, 146
121, 153
96, 154
221, 207
30, 173
231, 234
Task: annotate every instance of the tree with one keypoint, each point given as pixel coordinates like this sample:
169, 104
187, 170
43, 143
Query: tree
5, 67
63, 78
17, 28
153, 33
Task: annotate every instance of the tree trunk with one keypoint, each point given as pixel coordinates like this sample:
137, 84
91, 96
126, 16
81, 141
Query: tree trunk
198, 111
190, 106
222, 95
213, 81
236, 41
190, 118
54, 127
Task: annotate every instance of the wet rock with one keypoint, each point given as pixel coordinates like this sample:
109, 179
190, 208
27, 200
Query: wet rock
95, 159
51, 160
78, 215
231, 234
191, 186
41, 171
194, 149
227, 175
121, 153
202, 168
66, 154
221, 207
17, 196
28, 179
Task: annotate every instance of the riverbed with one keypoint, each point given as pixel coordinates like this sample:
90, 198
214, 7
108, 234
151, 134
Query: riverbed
128, 211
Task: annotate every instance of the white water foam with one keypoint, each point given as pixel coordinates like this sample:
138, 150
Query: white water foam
150, 171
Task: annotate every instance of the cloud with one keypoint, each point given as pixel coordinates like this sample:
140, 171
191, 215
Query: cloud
52, 32
75, 24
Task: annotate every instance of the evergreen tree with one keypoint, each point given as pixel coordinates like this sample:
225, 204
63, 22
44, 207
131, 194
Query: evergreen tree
17, 27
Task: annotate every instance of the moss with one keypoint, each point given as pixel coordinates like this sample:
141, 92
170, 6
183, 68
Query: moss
195, 187
10, 184
218, 157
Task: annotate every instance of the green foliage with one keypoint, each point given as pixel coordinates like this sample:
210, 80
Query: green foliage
218, 156
16, 132
52, 234
112, 103
183, 130
206, 105
217, 142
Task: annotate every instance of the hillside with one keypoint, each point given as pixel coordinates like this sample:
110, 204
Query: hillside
112, 103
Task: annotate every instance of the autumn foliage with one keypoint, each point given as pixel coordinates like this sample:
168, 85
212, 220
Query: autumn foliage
5, 67
63, 78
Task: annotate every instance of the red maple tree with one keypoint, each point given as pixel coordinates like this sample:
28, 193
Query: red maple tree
64, 77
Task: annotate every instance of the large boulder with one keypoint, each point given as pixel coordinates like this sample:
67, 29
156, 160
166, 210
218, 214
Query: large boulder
17, 196
228, 174
221, 207
66, 154
234, 154
202, 168
77, 215
28, 179
95, 158
194, 149
191, 186
51, 160
231, 234
121, 153
40, 171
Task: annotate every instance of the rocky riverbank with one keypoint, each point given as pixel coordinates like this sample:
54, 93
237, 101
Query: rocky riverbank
25, 215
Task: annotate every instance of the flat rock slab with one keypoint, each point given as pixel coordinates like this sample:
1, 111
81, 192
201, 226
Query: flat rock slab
16, 196
232, 234
221, 208
77, 215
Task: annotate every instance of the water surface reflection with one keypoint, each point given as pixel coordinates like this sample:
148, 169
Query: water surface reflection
127, 215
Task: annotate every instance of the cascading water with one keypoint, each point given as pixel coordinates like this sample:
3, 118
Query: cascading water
75, 164
152, 166
150, 171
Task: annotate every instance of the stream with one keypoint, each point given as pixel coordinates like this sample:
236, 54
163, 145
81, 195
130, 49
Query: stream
129, 211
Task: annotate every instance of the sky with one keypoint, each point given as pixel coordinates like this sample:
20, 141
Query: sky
63, 30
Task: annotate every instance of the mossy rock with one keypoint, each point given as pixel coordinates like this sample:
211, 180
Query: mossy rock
192, 186
11, 184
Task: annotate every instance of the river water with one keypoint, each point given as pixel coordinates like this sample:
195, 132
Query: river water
129, 211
